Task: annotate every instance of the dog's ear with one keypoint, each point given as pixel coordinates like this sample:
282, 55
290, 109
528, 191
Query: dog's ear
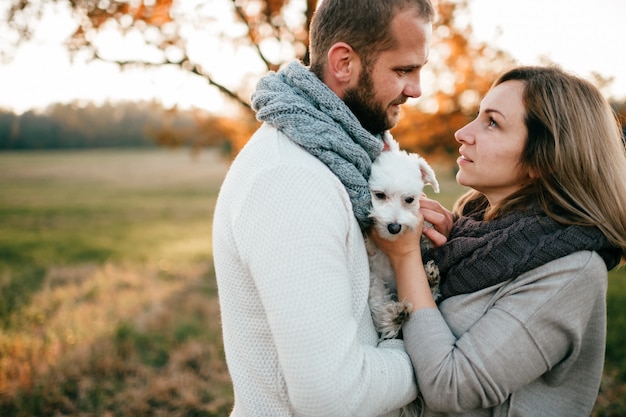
392, 144
428, 174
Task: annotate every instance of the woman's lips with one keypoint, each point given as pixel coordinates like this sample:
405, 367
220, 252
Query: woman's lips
463, 160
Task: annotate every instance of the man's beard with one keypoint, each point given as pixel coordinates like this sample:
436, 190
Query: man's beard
361, 101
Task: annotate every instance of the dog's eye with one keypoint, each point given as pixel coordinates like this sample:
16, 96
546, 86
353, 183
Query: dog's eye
380, 196
409, 200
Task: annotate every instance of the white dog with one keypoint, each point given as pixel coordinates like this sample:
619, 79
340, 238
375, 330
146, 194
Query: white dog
396, 183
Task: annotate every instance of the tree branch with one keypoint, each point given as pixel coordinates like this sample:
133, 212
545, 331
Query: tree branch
240, 13
194, 69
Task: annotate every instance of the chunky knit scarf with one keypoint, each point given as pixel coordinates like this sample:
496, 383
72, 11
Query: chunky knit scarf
298, 104
480, 253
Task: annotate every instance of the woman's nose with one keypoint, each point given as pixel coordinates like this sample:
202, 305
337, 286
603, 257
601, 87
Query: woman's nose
463, 134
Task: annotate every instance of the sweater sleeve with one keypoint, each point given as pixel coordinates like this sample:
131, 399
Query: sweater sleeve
291, 231
533, 327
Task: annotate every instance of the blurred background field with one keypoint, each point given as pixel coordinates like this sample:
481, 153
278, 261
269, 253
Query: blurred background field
108, 303
107, 294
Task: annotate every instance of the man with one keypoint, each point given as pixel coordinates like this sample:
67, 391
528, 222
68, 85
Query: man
290, 259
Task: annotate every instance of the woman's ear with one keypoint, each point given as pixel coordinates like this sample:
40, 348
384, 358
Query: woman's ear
344, 66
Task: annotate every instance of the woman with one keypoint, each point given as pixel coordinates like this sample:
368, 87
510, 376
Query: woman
521, 325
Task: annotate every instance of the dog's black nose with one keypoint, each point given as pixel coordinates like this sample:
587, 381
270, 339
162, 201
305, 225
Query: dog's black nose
394, 228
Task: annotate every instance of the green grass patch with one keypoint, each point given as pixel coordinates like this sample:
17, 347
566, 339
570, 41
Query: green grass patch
616, 334
17, 285
56, 209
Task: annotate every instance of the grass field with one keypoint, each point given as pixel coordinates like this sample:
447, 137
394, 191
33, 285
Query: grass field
108, 304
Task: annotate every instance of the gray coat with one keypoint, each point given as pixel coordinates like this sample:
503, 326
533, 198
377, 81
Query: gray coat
532, 346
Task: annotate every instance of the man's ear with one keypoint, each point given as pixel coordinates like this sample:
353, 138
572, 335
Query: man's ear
344, 66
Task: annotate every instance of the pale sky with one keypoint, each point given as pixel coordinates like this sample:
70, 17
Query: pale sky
580, 36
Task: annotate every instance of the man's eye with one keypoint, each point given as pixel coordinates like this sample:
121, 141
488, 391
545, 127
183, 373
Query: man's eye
409, 200
380, 196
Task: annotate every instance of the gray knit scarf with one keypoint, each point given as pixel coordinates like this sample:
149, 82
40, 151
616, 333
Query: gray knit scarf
480, 253
298, 104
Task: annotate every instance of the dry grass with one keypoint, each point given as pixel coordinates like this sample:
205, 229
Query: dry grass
116, 339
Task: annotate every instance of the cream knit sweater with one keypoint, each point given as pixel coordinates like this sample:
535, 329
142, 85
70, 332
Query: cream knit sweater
293, 282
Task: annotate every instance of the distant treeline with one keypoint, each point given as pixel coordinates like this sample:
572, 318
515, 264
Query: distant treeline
148, 124
63, 126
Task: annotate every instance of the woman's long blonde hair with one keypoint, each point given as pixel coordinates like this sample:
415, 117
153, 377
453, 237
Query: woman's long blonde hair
576, 150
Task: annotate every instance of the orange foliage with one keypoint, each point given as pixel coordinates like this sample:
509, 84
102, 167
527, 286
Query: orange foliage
229, 133
274, 7
200, 129
238, 131
156, 14
462, 72
429, 133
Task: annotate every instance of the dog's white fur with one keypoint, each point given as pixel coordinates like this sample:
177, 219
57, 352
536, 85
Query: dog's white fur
396, 183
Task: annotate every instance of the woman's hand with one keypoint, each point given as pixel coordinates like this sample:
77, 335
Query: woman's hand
441, 218
406, 259
407, 244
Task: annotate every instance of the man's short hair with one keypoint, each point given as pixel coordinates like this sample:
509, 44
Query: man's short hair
365, 25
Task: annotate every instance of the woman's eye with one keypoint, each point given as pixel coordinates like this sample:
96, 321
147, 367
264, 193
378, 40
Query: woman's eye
492, 123
409, 200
